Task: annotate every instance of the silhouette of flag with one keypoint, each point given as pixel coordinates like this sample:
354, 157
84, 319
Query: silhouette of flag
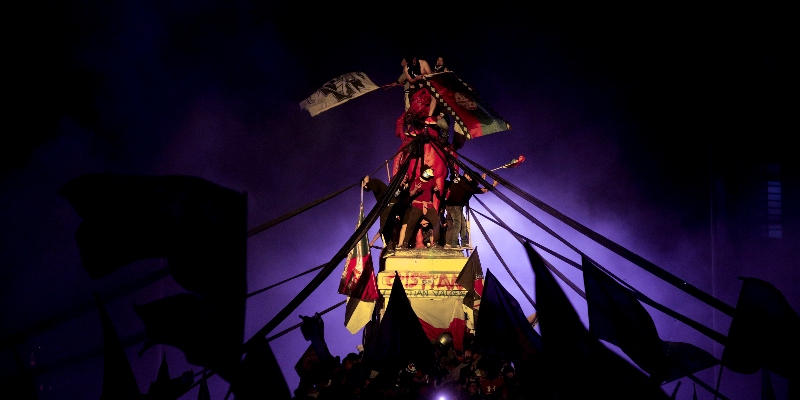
577, 365
503, 329
471, 279
763, 332
204, 329
166, 388
674, 394
119, 383
767, 391
203, 393
400, 339
358, 277
472, 115
260, 376
684, 359
617, 317
200, 228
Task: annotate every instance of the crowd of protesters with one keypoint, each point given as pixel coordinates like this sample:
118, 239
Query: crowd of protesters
458, 375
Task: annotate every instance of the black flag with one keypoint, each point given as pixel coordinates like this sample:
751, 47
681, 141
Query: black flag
166, 388
119, 383
616, 316
260, 376
200, 228
577, 365
400, 339
503, 329
763, 332
471, 278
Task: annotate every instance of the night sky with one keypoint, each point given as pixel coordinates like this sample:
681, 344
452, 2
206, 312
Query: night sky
630, 120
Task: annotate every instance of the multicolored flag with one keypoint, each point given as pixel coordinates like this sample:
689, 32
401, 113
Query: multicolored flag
441, 315
472, 115
337, 91
358, 277
358, 313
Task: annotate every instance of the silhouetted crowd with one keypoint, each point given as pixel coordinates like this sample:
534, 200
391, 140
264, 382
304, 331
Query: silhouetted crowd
458, 375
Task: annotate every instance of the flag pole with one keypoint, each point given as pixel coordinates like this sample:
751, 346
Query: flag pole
513, 164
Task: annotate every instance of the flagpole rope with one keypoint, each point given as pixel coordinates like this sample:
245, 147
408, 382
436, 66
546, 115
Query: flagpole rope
710, 333
259, 291
293, 327
513, 232
600, 239
290, 214
549, 266
499, 257
335, 260
720, 338
521, 211
719, 380
640, 296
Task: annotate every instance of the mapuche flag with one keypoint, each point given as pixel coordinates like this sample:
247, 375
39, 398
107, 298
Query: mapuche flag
337, 91
472, 115
358, 277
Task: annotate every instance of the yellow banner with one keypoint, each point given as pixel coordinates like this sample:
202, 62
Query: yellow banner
422, 283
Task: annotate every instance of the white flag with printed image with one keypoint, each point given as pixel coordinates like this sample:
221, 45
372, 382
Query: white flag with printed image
337, 91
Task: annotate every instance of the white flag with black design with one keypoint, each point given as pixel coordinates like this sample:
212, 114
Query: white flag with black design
337, 91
